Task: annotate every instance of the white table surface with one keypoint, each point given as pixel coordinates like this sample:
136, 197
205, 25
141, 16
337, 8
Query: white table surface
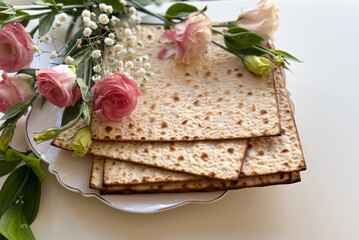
325, 205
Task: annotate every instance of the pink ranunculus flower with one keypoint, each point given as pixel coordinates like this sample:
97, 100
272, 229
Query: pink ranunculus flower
15, 48
115, 96
263, 19
190, 38
58, 85
14, 89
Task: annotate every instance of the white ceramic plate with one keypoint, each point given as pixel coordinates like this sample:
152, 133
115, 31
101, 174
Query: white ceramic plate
74, 172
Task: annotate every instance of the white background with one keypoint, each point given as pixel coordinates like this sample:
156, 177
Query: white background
325, 205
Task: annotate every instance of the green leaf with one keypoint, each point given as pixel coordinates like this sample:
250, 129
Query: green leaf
286, 55
5, 166
86, 94
23, 22
70, 113
6, 136
180, 10
45, 2
31, 197
13, 187
86, 114
240, 38
29, 71
43, 101
31, 160
46, 23
14, 110
14, 225
117, 6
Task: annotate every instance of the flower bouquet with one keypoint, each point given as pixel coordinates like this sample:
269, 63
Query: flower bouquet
99, 72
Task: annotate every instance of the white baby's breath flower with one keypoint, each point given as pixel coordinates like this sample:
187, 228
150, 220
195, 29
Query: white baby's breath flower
132, 10
69, 60
35, 48
109, 41
141, 72
97, 68
139, 60
111, 35
129, 65
123, 2
103, 19
128, 33
46, 39
138, 20
114, 20
119, 64
93, 25
87, 32
106, 28
103, 7
93, 15
78, 41
109, 9
96, 54
147, 66
63, 17
57, 24
145, 58
107, 73
96, 78
87, 21
133, 18
132, 41
53, 55
86, 13
118, 47
122, 53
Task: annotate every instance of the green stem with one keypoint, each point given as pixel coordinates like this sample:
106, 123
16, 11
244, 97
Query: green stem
226, 49
32, 32
25, 17
152, 24
105, 53
47, 7
144, 10
221, 25
264, 50
70, 125
216, 31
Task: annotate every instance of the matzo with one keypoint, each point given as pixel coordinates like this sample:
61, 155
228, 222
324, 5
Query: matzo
276, 154
265, 155
216, 159
216, 98
120, 172
190, 186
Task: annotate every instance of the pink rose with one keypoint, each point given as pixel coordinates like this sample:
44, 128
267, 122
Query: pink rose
115, 96
263, 19
15, 48
14, 89
190, 38
58, 85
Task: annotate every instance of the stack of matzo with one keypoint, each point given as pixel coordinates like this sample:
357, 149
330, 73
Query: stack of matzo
204, 127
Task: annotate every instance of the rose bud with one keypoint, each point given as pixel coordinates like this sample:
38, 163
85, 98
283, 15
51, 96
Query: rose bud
258, 65
81, 142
